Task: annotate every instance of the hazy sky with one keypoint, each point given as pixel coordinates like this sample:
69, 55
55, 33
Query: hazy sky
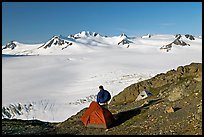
36, 22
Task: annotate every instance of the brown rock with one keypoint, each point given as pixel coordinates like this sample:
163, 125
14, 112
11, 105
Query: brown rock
169, 109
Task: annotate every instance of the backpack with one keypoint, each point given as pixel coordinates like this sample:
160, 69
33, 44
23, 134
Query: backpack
108, 96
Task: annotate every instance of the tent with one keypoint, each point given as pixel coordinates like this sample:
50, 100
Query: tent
144, 94
97, 117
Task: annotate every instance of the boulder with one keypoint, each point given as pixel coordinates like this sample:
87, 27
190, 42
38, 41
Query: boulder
169, 110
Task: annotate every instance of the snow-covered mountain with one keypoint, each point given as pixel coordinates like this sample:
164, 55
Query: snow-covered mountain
147, 36
52, 88
64, 45
11, 45
58, 41
179, 40
85, 34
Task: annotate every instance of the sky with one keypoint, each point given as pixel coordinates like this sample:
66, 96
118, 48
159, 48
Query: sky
37, 22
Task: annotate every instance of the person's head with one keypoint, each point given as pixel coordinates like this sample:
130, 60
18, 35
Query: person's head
100, 87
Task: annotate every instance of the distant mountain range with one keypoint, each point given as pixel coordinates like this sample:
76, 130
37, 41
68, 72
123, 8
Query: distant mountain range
61, 44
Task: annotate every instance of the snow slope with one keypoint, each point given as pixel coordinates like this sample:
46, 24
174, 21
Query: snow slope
60, 82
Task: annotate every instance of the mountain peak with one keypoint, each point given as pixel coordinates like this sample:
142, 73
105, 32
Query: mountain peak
123, 35
178, 41
84, 34
11, 45
58, 40
147, 36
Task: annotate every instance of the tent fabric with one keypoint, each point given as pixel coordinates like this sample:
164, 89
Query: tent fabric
144, 94
97, 117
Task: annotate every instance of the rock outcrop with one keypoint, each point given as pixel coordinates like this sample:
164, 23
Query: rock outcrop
163, 83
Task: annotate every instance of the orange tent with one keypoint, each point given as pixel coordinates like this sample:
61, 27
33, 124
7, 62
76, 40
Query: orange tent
97, 117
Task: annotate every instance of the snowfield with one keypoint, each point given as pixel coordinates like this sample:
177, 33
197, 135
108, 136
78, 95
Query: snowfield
63, 78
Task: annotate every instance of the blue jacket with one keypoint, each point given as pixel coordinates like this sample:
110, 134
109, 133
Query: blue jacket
103, 96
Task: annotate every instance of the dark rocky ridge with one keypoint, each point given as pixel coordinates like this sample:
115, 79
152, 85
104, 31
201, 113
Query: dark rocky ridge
10, 45
56, 40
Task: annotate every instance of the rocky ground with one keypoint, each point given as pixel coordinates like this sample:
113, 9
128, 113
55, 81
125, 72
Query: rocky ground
174, 109
26, 127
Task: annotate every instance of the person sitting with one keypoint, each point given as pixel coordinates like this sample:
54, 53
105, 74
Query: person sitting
103, 97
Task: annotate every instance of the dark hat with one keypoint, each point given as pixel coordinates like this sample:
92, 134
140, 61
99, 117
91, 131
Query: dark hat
100, 87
